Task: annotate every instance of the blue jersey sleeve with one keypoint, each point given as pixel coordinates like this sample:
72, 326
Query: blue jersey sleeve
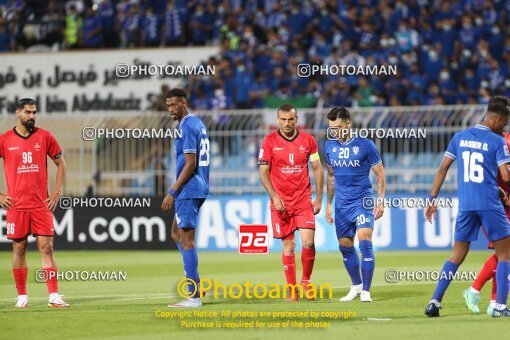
373, 154
451, 151
502, 154
189, 139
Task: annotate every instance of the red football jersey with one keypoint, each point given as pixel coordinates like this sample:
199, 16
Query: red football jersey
288, 167
25, 166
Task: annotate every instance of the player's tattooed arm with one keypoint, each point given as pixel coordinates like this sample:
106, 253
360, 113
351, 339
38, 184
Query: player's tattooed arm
430, 211
330, 193
266, 182
330, 185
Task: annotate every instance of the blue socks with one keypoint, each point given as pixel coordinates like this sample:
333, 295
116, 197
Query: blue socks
190, 259
446, 276
502, 272
367, 264
351, 262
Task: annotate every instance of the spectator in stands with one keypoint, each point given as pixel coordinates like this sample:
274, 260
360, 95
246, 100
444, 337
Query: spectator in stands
73, 27
151, 31
173, 30
130, 27
465, 41
106, 13
91, 33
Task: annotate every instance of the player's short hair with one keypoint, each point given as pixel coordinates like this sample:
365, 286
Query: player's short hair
499, 105
339, 112
24, 101
287, 107
175, 92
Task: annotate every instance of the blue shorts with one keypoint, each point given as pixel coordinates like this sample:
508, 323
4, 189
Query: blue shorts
469, 222
349, 219
186, 212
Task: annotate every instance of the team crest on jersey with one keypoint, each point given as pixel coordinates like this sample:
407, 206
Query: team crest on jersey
355, 149
37, 146
302, 148
334, 149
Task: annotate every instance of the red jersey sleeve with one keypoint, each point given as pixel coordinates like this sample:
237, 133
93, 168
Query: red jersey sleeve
54, 151
265, 152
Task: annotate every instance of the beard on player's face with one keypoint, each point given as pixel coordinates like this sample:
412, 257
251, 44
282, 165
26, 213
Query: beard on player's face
29, 124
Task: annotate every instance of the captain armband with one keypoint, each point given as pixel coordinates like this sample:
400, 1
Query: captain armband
314, 157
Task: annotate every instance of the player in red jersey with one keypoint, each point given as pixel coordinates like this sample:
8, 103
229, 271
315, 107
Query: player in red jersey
283, 161
488, 271
25, 149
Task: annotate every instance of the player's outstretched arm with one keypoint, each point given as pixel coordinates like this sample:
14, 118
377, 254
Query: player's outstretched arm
187, 172
318, 176
330, 193
430, 212
381, 190
266, 182
52, 200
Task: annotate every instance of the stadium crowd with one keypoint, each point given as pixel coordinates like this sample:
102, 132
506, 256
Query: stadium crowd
446, 52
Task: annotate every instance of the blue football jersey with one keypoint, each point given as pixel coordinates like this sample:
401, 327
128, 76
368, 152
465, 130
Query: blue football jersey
479, 152
351, 163
193, 139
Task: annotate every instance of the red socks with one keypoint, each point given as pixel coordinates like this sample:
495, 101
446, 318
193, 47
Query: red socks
20, 277
51, 280
486, 273
307, 260
289, 268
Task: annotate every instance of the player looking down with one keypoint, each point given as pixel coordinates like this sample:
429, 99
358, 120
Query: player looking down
349, 161
283, 160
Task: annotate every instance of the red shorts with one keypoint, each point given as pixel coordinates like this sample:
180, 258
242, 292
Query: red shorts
285, 224
22, 223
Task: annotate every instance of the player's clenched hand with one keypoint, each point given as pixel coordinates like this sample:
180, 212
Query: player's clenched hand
278, 203
430, 213
378, 211
329, 211
5, 201
317, 206
52, 200
168, 203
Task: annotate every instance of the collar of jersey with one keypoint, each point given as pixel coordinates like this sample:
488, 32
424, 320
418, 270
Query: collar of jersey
21, 136
483, 127
346, 143
182, 120
289, 140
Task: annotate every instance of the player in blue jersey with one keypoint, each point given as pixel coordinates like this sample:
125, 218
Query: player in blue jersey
191, 188
350, 160
480, 151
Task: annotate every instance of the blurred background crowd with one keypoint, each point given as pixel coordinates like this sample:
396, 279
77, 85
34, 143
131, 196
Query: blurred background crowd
446, 52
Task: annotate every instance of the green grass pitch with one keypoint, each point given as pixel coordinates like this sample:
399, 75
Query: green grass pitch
127, 309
